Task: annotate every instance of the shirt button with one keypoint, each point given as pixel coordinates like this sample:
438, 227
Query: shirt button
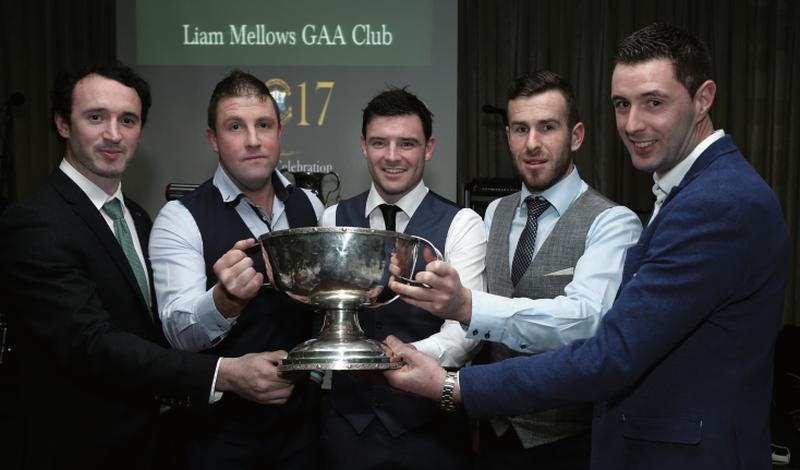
474, 332
523, 346
487, 335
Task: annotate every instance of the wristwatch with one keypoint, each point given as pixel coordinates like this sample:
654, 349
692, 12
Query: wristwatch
448, 402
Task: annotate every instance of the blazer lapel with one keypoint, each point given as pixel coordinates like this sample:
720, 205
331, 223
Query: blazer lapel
722, 146
85, 210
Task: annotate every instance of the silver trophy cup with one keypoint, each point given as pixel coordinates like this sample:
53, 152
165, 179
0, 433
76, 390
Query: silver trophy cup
340, 270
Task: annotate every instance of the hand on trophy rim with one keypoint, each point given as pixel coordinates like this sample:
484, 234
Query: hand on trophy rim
421, 375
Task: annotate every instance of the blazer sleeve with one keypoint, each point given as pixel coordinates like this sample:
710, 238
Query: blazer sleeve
712, 251
50, 273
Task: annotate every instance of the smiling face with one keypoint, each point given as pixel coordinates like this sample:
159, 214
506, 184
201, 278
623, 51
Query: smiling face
104, 130
247, 138
396, 152
656, 117
540, 139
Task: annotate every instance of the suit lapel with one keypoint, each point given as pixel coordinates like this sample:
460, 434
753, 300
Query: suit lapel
722, 146
86, 211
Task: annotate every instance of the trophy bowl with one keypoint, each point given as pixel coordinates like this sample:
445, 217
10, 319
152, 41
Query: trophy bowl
340, 270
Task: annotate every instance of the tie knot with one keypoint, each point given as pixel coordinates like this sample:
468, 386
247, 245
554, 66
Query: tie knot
389, 212
536, 205
113, 208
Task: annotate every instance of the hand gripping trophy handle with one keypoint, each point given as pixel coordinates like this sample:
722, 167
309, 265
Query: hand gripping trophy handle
418, 252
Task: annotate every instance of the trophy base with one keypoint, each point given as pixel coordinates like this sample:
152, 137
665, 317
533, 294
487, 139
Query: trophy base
320, 354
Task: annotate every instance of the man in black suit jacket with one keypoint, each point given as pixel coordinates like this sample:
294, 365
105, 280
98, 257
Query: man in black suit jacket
91, 356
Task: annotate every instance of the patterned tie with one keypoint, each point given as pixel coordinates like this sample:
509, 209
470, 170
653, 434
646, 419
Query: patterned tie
389, 212
113, 209
527, 241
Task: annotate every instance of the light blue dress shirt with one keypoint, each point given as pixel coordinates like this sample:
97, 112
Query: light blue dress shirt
536, 325
188, 314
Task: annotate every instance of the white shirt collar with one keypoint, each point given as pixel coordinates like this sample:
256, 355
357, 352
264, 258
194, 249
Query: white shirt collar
408, 203
666, 182
228, 189
561, 194
92, 191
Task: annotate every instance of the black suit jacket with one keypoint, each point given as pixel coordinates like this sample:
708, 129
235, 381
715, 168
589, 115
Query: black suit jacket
91, 355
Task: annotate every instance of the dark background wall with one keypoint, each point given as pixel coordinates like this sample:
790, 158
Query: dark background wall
755, 45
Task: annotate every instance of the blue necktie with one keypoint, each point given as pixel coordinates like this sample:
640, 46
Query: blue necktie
527, 241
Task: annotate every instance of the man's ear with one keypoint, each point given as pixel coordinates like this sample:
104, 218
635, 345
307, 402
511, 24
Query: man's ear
212, 139
576, 136
61, 125
704, 98
364, 146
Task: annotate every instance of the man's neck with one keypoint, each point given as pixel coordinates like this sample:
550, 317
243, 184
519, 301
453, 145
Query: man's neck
262, 197
108, 185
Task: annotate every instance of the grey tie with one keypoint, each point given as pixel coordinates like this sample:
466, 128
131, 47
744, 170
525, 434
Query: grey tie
114, 210
527, 241
389, 212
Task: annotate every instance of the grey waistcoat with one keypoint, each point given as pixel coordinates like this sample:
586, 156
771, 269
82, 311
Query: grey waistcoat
559, 252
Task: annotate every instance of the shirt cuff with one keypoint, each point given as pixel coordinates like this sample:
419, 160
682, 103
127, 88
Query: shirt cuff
213, 322
488, 322
215, 395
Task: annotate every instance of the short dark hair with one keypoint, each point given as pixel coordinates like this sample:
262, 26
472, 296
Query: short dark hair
64, 86
541, 81
689, 55
239, 84
397, 102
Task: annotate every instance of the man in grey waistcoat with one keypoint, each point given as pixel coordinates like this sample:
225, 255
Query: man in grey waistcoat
553, 266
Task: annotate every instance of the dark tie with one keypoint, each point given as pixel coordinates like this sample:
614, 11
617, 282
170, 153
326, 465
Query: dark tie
113, 209
389, 215
527, 241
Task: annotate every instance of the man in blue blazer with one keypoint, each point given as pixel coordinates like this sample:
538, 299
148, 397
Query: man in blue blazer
681, 368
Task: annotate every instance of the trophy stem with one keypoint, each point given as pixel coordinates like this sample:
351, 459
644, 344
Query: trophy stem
341, 345
341, 325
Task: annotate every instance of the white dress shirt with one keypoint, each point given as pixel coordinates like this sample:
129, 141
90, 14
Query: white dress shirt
99, 198
666, 182
465, 250
536, 325
189, 316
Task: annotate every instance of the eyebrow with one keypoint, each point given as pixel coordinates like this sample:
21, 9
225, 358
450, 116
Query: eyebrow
106, 110
646, 94
538, 121
402, 139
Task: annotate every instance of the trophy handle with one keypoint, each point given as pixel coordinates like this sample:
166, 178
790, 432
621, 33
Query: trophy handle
439, 256
338, 184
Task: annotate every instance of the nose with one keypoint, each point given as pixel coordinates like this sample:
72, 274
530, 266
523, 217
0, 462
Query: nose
533, 143
252, 140
392, 152
112, 133
633, 122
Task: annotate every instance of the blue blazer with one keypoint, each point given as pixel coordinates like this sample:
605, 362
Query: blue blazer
680, 369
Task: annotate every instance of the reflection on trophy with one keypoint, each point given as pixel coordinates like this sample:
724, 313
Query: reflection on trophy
340, 270
314, 182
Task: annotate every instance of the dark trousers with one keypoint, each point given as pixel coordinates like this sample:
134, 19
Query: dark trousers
283, 449
437, 445
506, 452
